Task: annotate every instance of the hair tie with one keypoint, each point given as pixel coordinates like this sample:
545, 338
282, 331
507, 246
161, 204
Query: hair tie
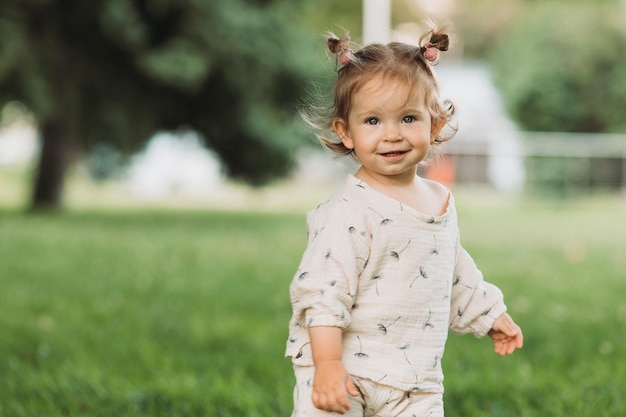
431, 53
345, 56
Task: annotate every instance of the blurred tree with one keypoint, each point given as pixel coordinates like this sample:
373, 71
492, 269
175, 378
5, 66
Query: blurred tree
480, 23
562, 67
323, 15
117, 71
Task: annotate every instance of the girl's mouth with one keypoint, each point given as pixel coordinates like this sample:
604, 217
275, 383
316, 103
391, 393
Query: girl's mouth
392, 154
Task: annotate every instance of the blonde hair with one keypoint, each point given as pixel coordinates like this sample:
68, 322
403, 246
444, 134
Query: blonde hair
394, 61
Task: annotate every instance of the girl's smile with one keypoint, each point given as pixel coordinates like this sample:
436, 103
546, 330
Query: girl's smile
393, 155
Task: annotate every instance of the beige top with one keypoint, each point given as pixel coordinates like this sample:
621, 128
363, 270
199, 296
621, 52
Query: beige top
395, 280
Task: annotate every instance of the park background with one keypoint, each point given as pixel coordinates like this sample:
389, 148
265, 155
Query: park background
154, 176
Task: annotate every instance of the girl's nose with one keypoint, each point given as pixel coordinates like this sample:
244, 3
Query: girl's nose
392, 133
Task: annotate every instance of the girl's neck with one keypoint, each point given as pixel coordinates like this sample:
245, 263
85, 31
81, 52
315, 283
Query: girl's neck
388, 184
425, 196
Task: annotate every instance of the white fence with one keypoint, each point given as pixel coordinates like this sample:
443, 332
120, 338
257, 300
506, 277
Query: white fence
575, 162
566, 163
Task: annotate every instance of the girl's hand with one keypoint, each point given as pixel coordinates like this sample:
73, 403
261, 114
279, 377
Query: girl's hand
331, 386
506, 335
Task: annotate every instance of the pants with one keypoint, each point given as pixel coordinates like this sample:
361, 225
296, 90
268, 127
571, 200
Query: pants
375, 400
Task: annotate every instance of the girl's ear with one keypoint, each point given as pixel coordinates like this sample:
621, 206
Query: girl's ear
435, 129
341, 129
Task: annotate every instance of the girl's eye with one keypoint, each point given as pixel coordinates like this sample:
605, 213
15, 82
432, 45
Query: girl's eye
408, 119
372, 121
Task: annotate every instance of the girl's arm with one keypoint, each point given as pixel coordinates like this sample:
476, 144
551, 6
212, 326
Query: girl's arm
331, 383
475, 304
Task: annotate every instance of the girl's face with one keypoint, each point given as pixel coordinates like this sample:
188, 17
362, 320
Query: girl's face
389, 129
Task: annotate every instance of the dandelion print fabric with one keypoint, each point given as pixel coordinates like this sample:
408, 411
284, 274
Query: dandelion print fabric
395, 280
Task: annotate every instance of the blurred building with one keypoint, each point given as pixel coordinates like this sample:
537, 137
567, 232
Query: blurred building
174, 165
18, 135
18, 145
487, 148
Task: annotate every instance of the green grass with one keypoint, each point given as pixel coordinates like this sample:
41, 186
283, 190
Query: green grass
179, 313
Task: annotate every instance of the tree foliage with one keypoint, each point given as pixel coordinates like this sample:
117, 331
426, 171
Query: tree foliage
562, 67
323, 15
116, 71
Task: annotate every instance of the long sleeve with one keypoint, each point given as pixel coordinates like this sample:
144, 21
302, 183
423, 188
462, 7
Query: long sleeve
475, 303
324, 288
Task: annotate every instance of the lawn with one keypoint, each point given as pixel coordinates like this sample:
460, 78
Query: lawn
184, 313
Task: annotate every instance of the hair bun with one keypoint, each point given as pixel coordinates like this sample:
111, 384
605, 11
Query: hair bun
341, 47
441, 41
334, 44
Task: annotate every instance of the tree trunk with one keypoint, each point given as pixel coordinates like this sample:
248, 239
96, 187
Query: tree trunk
48, 188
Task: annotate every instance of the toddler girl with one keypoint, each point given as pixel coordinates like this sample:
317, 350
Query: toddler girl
384, 277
